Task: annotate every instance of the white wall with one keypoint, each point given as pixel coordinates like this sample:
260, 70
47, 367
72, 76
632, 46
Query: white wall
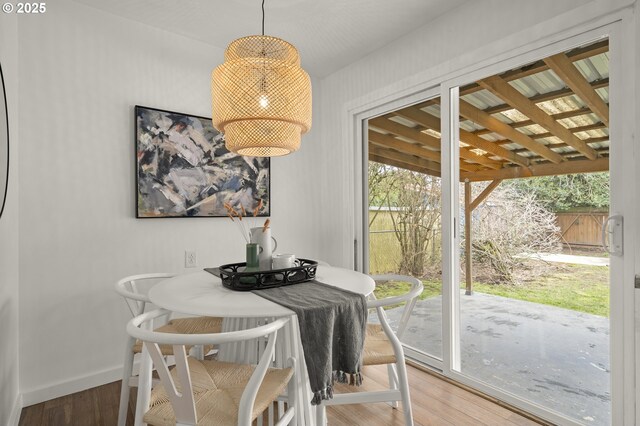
82, 71
9, 401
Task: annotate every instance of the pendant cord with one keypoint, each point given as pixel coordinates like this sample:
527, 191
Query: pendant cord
262, 17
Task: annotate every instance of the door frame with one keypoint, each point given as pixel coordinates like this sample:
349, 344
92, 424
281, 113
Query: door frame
621, 317
619, 27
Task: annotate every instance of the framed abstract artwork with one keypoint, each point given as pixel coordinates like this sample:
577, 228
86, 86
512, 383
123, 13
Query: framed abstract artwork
184, 170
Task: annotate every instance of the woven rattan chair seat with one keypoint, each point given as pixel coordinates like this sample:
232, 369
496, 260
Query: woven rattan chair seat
377, 347
194, 325
217, 389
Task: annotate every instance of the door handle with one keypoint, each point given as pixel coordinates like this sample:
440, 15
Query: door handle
612, 234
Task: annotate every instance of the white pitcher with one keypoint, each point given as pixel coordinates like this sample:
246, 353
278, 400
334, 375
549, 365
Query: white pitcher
267, 243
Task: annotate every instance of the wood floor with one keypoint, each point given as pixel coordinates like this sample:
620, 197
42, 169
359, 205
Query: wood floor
434, 401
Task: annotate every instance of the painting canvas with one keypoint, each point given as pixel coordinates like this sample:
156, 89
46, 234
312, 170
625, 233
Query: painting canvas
184, 170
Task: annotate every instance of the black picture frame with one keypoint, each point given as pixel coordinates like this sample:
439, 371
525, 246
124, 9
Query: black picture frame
184, 170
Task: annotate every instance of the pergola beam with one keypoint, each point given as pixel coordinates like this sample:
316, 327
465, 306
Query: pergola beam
469, 207
432, 166
406, 132
559, 116
546, 169
550, 96
427, 120
539, 66
536, 67
517, 100
421, 138
485, 120
563, 66
484, 194
563, 145
401, 165
386, 141
594, 126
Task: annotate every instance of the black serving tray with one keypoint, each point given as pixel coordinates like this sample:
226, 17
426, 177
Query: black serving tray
234, 276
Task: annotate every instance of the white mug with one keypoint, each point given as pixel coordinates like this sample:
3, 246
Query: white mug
262, 237
283, 261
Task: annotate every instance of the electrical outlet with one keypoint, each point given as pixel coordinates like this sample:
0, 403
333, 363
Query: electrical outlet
190, 259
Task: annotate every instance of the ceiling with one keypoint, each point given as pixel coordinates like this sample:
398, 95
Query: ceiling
329, 34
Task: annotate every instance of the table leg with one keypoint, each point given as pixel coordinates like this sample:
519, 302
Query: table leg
304, 395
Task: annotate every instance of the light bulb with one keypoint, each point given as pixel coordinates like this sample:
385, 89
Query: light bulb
264, 101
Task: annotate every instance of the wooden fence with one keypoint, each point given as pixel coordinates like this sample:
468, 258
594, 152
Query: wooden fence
581, 228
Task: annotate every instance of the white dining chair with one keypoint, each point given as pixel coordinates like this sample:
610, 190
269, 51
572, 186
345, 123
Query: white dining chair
382, 346
132, 289
211, 392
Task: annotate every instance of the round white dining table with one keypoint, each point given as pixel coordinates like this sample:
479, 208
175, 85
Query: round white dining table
201, 293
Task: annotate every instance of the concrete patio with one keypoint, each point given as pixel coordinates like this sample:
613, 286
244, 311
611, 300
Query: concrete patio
555, 357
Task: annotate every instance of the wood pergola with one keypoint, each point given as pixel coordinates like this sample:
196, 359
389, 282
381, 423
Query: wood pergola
550, 117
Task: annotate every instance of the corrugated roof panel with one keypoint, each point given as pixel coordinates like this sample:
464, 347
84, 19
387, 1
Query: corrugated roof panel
587, 134
587, 69
402, 138
524, 87
431, 132
533, 86
599, 145
469, 126
533, 129
503, 117
563, 149
511, 146
475, 101
491, 137
403, 121
600, 63
432, 109
579, 121
556, 106
549, 80
551, 140
599, 133
514, 115
483, 99
604, 93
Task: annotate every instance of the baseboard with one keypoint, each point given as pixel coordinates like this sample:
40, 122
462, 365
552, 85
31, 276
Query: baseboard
14, 417
74, 385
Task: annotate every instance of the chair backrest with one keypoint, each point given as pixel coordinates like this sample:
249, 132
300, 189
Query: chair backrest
130, 288
409, 300
182, 401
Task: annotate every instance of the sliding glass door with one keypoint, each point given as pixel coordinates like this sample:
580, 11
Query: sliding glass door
502, 192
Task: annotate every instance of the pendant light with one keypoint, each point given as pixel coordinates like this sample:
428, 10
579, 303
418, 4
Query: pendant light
261, 97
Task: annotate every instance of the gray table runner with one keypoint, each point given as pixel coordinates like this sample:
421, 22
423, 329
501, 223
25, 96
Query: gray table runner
332, 328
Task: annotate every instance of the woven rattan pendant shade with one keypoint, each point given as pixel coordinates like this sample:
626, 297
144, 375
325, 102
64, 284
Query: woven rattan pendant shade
261, 98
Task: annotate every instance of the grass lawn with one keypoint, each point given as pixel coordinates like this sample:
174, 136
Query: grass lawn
581, 288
